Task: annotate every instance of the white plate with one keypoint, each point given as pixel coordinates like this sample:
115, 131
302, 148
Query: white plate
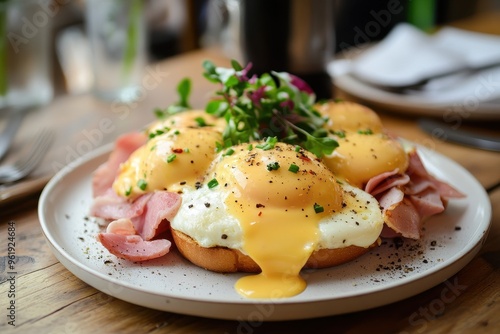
383, 276
470, 107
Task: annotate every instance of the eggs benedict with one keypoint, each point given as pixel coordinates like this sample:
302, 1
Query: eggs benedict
264, 181
273, 211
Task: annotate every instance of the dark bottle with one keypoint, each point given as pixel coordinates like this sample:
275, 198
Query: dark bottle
294, 36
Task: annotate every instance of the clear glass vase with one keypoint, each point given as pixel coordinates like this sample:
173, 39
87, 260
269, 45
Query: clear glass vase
25, 54
117, 36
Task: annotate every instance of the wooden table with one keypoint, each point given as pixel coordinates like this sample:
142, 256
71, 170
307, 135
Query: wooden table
50, 299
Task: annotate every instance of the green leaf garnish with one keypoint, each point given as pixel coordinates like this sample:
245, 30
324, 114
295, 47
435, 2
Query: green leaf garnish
184, 90
201, 122
160, 113
273, 105
236, 65
320, 146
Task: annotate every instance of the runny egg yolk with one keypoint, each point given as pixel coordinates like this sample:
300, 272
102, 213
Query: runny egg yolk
279, 207
360, 157
349, 116
168, 162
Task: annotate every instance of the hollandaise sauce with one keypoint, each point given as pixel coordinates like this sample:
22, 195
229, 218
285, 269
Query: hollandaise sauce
170, 160
279, 208
281, 245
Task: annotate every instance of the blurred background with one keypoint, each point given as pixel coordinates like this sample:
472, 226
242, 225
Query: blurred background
173, 27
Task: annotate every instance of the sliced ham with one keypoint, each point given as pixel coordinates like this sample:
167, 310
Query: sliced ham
404, 219
149, 213
110, 206
408, 199
132, 236
419, 176
428, 203
133, 247
135, 225
105, 174
160, 208
385, 181
122, 226
122, 241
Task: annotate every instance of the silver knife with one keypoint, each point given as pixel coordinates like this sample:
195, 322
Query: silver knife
463, 137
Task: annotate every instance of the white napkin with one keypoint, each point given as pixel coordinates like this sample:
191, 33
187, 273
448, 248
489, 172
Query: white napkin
407, 55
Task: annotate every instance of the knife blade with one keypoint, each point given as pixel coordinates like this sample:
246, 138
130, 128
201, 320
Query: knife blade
464, 137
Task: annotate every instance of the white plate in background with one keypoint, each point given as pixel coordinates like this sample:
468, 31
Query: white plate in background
471, 106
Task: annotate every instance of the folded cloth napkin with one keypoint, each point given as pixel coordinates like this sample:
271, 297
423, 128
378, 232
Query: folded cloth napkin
408, 55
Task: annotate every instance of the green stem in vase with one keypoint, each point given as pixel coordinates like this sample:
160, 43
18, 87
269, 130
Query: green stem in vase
132, 37
3, 47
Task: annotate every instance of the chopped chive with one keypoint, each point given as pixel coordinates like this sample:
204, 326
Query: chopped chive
269, 144
293, 168
229, 151
142, 184
160, 114
186, 150
318, 208
128, 191
340, 133
365, 132
158, 132
273, 166
171, 158
297, 148
176, 132
212, 183
250, 147
152, 148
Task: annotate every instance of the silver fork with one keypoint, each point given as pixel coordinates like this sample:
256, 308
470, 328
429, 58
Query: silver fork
23, 166
15, 118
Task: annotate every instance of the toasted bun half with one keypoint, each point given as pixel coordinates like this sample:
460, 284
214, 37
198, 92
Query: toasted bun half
226, 260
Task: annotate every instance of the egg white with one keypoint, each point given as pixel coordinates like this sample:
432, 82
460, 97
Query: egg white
204, 216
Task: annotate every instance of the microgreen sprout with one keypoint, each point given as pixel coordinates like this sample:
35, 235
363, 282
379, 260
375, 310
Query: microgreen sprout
273, 105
